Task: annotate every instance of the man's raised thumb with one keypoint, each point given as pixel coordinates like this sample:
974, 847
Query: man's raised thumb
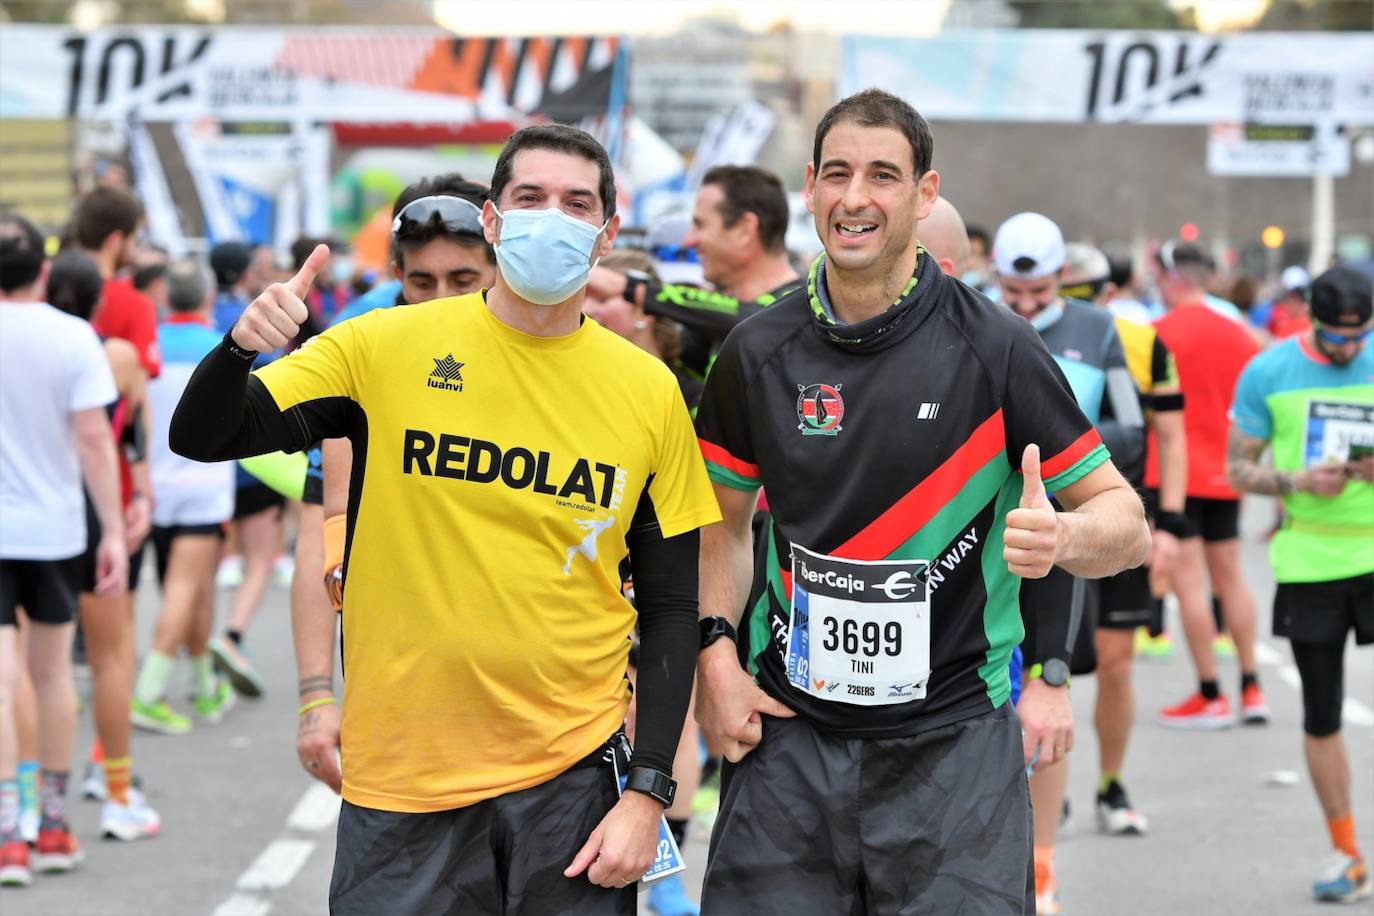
1032, 488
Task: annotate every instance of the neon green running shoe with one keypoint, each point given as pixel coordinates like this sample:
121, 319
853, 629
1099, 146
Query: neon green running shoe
158, 717
212, 708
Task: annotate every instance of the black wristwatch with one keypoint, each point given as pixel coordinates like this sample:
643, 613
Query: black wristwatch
1053, 671
659, 786
634, 279
713, 628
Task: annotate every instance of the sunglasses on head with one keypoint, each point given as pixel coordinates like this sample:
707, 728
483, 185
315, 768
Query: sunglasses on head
675, 254
1339, 340
455, 214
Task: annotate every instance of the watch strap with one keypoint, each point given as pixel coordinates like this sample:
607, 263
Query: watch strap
657, 785
1037, 671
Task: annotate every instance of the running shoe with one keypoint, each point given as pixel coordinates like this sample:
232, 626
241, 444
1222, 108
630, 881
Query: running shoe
1148, 646
158, 717
57, 850
1198, 712
667, 898
234, 664
1253, 708
14, 864
211, 709
1343, 879
1224, 646
1116, 816
93, 783
230, 572
129, 822
1046, 892
283, 570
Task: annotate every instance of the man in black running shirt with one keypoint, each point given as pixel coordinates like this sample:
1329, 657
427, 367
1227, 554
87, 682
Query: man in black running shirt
906, 430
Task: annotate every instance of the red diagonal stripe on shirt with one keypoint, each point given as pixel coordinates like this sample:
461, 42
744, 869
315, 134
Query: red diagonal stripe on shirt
1053, 467
907, 515
717, 455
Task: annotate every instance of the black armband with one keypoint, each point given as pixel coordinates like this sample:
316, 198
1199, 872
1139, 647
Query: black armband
134, 439
1176, 523
1166, 402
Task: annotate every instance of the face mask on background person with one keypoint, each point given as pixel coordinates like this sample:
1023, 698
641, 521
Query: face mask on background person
545, 255
341, 269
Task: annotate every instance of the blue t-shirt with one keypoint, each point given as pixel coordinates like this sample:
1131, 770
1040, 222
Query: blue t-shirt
382, 296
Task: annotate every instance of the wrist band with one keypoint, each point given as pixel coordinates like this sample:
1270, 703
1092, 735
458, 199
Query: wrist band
315, 704
1176, 523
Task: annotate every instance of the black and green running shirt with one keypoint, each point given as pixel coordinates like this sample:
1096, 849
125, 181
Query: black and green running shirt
890, 450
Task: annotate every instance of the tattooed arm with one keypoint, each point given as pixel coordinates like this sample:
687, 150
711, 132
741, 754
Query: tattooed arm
1247, 475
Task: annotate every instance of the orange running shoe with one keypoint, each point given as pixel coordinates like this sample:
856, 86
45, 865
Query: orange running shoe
57, 850
14, 864
1253, 708
1198, 712
1046, 891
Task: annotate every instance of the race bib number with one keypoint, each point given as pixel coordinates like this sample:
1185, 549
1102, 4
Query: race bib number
860, 631
1338, 432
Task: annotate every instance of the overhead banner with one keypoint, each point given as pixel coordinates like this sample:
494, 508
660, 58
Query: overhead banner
1141, 77
173, 73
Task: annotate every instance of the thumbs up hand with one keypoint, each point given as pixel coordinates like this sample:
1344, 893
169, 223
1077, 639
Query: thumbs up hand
1032, 536
276, 316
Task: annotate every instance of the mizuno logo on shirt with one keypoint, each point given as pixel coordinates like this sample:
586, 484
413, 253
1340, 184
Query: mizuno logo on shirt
585, 484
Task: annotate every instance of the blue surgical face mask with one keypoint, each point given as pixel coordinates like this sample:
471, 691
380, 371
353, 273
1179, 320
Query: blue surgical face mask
545, 255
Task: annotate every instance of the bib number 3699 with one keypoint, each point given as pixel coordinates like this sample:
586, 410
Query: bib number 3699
860, 631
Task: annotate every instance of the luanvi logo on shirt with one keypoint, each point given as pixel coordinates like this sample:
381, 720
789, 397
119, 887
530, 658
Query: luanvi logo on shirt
820, 409
447, 374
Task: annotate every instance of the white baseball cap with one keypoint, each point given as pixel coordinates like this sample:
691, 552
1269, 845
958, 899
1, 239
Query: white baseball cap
1295, 278
1028, 246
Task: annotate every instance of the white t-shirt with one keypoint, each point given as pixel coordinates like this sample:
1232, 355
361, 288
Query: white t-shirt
51, 365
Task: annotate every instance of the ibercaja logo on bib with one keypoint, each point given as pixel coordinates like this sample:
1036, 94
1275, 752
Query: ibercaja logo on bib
820, 409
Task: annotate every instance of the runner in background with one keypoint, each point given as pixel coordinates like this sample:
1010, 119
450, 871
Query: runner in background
55, 383
1311, 399
1289, 315
1210, 351
107, 622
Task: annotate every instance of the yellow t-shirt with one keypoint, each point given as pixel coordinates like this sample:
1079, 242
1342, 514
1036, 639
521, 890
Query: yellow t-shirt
485, 636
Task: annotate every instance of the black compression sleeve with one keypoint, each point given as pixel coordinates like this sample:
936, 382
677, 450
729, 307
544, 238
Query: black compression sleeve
665, 577
711, 314
135, 437
225, 414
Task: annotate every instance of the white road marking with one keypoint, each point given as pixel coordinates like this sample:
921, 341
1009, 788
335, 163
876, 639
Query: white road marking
317, 809
276, 865
1353, 712
243, 905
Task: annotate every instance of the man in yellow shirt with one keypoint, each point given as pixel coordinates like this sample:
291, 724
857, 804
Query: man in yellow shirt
508, 455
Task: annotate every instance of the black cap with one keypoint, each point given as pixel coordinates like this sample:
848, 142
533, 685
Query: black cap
1342, 297
229, 260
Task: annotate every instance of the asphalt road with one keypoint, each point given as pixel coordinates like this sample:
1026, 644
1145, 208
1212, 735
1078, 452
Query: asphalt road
247, 832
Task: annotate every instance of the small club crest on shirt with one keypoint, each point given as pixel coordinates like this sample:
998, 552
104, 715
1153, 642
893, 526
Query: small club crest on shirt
820, 409
447, 374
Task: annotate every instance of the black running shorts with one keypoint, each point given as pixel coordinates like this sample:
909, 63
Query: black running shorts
255, 498
1124, 600
1214, 519
86, 563
46, 589
164, 537
936, 823
504, 856
1325, 612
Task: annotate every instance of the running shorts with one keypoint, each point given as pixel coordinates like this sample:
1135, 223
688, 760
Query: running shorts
46, 589
1124, 600
162, 538
936, 823
1325, 612
86, 563
1214, 519
255, 498
313, 495
504, 855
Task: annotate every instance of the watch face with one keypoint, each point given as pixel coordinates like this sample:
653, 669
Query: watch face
1056, 672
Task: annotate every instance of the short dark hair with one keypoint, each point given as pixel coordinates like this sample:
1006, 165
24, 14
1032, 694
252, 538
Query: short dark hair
451, 184
102, 212
230, 261
75, 284
187, 286
980, 234
750, 189
1123, 269
876, 108
1185, 259
21, 253
561, 139
300, 250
